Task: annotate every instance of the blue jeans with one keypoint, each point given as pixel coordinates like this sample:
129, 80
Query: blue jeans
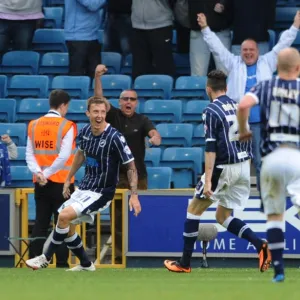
19, 32
256, 130
117, 34
263, 48
200, 54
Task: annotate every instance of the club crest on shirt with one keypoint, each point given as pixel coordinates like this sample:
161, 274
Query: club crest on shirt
122, 139
102, 143
127, 150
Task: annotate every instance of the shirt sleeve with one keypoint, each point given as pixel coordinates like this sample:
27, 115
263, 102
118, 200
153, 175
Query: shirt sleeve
256, 92
148, 126
12, 150
210, 130
30, 158
122, 149
64, 154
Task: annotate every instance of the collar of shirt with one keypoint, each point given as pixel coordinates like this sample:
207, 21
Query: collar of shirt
53, 113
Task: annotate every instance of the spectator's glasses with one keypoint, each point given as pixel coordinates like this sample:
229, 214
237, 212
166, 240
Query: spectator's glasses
129, 98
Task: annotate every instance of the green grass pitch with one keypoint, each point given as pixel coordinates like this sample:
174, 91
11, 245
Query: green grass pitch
146, 284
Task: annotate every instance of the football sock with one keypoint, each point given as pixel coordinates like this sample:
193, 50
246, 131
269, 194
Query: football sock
74, 243
275, 238
191, 227
58, 237
242, 230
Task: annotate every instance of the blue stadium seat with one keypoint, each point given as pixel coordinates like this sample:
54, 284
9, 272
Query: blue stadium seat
79, 127
114, 102
198, 136
174, 40
79, 175
182, 62
101, 36
288, 3
186, 164
53, 17
163, 111
153, 86
21, 176
127, 65
76, 111
3, 86
193, 111
179, 135
76, 86
49, 40
56, 2
21, 158
152, 157
8, 110
31, 207
192, 87
112, 61
17, 132
113, 85
284, 17
35, 86
31, 108
54, 64
159, 177
272, 39
20, 62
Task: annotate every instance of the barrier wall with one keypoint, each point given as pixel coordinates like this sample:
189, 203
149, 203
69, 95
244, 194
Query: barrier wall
156, 232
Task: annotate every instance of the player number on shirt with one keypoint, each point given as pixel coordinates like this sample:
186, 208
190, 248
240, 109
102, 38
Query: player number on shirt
284, 115
233, 128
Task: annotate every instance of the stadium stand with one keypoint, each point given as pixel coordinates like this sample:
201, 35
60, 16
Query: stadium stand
21, 86
20, 62
159, 177
153, 86
175, 134
76, 86
192, 87
8, 111
17, 132
152, 157
53, 17
165, 111
186, 164
30, 109
54, 64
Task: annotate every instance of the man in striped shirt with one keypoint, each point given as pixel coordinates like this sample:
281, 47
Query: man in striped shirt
226, 179
103, 149
279, 100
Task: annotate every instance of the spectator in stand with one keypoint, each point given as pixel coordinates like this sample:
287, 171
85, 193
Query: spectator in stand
152, 22
219, 15
118, 30
252, 21
248, 69
82, 22
11, 146
8, 151
18, 21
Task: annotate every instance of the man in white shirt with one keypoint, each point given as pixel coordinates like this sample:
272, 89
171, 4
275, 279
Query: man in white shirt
49, 155
248, 69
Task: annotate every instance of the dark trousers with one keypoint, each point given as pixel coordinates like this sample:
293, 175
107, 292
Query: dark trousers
152, 52
48, 199
84, 56
118, 34
19, 32
123, 184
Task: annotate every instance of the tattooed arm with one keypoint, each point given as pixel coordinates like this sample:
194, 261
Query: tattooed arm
132, 176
